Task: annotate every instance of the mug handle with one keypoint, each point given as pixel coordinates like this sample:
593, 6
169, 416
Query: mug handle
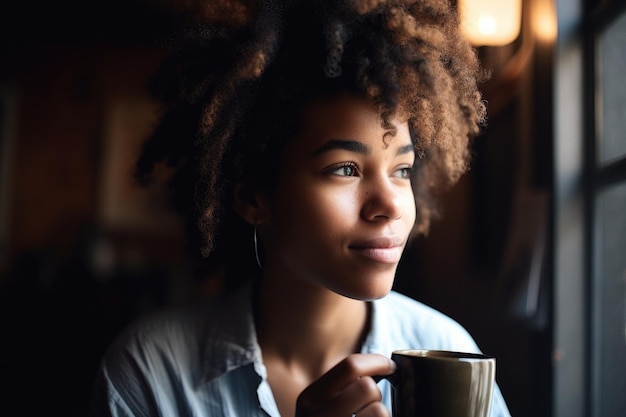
392, 378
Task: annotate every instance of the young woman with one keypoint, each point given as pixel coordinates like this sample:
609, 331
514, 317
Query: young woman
307, 139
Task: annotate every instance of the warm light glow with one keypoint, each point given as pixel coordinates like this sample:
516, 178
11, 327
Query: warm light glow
490, 22
544, 21
487, 25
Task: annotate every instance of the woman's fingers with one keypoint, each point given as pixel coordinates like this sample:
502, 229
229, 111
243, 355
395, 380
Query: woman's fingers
358, 396
349, 370
347, 388
376, 409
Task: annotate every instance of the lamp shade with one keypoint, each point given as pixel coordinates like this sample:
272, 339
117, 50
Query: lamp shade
490, 22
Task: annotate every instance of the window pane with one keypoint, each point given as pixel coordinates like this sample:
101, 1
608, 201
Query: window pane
609, 321
612, 91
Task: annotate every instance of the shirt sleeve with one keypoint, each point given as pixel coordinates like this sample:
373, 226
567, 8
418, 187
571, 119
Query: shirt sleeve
498, 406
121, 388
106, 400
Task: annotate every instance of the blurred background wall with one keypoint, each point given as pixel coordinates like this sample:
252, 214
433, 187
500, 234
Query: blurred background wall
84, 251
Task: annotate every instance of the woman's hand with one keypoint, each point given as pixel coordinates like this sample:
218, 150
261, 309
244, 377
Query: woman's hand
347, 389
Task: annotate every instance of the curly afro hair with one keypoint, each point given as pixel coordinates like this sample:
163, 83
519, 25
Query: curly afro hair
234, 90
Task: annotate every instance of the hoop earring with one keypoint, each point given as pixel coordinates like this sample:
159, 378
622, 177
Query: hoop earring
256, 249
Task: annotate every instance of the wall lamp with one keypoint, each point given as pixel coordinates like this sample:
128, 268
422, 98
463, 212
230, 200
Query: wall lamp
490, 22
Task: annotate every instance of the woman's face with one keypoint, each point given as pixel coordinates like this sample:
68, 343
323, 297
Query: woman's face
343, 207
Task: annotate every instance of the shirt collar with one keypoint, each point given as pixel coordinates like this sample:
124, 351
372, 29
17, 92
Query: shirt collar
231, 340
378, 340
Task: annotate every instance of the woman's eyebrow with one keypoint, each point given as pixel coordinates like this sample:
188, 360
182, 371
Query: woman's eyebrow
344, 144
405, 149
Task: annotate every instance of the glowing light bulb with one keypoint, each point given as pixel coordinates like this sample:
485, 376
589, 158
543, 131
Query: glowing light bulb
490, 22
487, 25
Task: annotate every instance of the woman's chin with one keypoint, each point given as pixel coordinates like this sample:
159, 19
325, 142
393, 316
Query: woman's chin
374, 291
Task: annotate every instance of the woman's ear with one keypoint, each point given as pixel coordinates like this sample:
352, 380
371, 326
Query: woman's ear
250, 203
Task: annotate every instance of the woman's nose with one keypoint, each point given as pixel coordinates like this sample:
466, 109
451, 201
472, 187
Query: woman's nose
382, 201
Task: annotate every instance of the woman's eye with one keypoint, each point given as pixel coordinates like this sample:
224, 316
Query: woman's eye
404, 172
345, 170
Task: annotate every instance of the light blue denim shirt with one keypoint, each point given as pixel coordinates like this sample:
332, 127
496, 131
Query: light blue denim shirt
205, 361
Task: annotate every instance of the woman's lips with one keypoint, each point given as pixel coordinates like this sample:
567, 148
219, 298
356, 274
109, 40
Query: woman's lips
381, 249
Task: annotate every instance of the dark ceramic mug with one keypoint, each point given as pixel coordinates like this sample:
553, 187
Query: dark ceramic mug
436, 383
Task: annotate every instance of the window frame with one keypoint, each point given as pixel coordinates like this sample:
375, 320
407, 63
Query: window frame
579, 179
599, 176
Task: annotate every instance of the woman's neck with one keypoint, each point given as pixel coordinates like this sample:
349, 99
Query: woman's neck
306, 327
